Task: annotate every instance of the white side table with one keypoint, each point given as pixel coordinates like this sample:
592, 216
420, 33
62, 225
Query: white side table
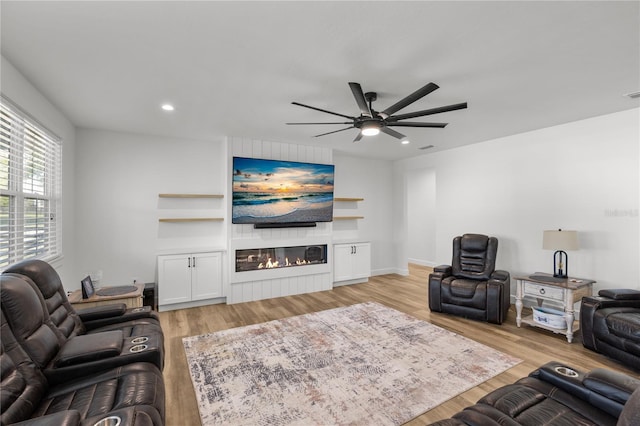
543, 287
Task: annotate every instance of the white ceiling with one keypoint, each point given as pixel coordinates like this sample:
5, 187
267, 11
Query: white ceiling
233, 68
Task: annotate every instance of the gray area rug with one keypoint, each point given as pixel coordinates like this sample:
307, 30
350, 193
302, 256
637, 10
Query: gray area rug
358, 365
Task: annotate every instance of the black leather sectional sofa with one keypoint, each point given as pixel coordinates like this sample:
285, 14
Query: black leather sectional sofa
63, 367
610, 324
558, 395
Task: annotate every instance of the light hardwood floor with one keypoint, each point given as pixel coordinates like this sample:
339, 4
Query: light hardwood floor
408, 294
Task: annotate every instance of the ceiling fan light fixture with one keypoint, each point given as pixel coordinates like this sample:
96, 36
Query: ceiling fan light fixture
371, 122
370, 130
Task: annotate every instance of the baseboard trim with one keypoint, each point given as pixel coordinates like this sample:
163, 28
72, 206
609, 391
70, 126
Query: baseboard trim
387, 271
193, 304
422, 262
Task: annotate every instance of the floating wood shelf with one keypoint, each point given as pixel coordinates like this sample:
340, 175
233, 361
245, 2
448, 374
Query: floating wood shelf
347, 199
347, 217
192, 219
190, 195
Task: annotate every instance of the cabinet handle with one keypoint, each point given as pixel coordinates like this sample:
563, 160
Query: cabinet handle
194, 261
355, 249
542, 291
189, 262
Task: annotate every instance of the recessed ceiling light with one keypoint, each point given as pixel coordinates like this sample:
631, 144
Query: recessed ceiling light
167, 107
405, 141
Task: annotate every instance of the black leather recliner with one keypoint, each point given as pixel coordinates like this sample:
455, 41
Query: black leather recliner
610, 324
558, 395
72, 322
471, 287
133, 393
61, 358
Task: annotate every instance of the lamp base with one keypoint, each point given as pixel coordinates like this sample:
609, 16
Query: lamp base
560, 259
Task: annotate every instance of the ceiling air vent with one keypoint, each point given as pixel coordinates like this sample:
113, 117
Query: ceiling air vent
426, 147
633, 95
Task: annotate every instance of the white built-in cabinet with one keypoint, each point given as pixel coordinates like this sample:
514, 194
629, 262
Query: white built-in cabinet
188, 277
351, 262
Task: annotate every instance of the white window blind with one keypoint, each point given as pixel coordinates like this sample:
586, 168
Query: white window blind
30, 189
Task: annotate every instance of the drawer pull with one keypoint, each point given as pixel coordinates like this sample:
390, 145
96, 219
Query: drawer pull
542, 291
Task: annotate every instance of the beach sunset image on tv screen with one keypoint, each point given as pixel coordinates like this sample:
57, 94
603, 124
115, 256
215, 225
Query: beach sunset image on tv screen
274, 191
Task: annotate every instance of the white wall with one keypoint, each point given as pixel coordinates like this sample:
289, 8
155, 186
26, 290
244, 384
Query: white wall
372, 180
578, 176
21, 92
421, 216
119, 177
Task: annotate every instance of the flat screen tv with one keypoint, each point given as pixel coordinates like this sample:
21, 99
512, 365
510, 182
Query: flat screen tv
276, 192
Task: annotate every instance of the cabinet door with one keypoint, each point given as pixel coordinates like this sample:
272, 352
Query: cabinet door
342, 262
361, 261
174, 279
206, 276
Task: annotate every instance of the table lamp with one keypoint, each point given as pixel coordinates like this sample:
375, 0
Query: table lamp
560, 241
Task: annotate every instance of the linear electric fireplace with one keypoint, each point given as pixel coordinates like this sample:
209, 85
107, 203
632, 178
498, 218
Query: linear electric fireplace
280, 257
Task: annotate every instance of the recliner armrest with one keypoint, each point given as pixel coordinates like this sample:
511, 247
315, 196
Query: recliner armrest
443, 269
137, 415
131, 314
90, 347
604, 389
500, 275
613, 385
435, 279
100, 312
620, 294
570, 384
602, 302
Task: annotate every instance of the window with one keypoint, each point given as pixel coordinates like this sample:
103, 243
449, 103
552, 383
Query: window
30, 190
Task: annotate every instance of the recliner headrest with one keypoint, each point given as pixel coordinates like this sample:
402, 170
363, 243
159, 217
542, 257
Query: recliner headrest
41, 273
474, 256
28, 319
474, 242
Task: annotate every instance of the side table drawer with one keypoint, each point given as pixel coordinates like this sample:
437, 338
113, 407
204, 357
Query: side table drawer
547, 292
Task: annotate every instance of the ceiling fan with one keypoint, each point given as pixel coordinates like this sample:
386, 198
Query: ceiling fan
371, 122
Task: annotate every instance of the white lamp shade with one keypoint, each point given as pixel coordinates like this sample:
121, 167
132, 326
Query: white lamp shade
560, 240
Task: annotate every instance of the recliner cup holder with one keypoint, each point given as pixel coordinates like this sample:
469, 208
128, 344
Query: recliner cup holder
138, 348
109, 421
137, 309
566, 371
138, 340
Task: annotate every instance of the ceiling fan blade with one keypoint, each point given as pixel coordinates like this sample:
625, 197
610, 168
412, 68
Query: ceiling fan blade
392, 132
324, 110
335, 122
424, 112
335, 131
411, 124
423, 91
360, 100
358, 137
